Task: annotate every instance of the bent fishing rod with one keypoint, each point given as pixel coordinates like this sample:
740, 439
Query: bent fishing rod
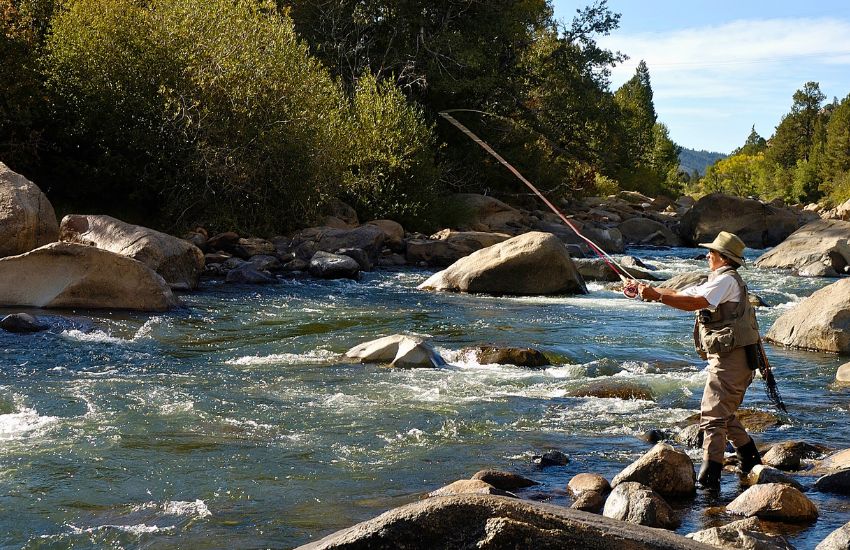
629, 281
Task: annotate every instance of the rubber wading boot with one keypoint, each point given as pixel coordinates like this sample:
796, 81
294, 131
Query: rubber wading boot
749, 456
709, 475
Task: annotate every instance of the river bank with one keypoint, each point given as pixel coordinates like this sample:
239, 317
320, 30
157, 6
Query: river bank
236, 419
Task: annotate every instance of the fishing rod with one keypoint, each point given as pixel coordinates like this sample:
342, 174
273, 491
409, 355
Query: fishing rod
629, 281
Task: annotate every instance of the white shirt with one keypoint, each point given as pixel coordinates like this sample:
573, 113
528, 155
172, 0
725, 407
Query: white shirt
722, 289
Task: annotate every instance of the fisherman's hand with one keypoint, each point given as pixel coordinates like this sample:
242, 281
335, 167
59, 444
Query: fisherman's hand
648, 293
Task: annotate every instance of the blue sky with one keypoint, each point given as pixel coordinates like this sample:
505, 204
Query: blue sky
719, 67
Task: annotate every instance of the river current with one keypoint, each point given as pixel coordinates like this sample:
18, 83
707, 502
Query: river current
236, 422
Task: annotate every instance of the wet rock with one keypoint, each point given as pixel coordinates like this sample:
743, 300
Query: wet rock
417, 355
835, 482
530, 264
774, 501
27, 219
66, 275
819, 243
759, 225
446, 247
843, 373
839, 460
690, 436
264, 262
820, 322
22, 323
589, 501
614, 389
654, 436
741, 534
333, 266
761, 474
469, 486
667, 471
359, 256
837, 540
248, 274
586, 482
520, 357
493, 522
785, 456
636, 503
552, 457
631, 261
399, 350
179, 262
505, 481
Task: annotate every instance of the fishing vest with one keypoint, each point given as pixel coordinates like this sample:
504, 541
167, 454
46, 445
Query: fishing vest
731, 325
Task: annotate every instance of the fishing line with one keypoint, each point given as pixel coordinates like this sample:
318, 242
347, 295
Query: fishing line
629, 282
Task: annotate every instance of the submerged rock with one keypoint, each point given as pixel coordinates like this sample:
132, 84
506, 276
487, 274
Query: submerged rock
66, 275
520, 357
530, 264
484, 521
636, 503
774, 501
666, 470
22, 322
608, 389
552, 457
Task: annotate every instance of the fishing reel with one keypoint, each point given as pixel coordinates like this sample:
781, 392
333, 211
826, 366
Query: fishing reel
630, 288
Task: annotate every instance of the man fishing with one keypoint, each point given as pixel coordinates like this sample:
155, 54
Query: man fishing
726, 333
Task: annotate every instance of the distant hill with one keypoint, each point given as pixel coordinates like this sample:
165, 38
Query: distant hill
691, 159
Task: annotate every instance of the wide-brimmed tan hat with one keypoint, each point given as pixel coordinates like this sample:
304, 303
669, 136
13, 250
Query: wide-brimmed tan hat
729, 245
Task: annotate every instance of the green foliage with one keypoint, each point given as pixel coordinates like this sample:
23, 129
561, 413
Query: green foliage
739, 175
604, 186
215, 112
755, 144
392, 155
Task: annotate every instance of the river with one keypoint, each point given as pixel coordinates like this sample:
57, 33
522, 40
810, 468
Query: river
236, 421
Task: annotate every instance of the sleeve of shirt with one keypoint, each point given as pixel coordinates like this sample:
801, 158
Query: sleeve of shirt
715, 292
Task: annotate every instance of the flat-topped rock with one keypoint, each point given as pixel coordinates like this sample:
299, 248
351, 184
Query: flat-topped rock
178, 261
66, 275
483, 521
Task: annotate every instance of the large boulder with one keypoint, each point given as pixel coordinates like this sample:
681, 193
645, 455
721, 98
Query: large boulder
820, 322
820, 244
68, 275
774, 501
178, 261
744, 533
636, 503
842, 375
837, 540
333, 266
484, 521
27, 219
393, 233
759, 225
647, 231
529, 264
667, 471
446, 247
